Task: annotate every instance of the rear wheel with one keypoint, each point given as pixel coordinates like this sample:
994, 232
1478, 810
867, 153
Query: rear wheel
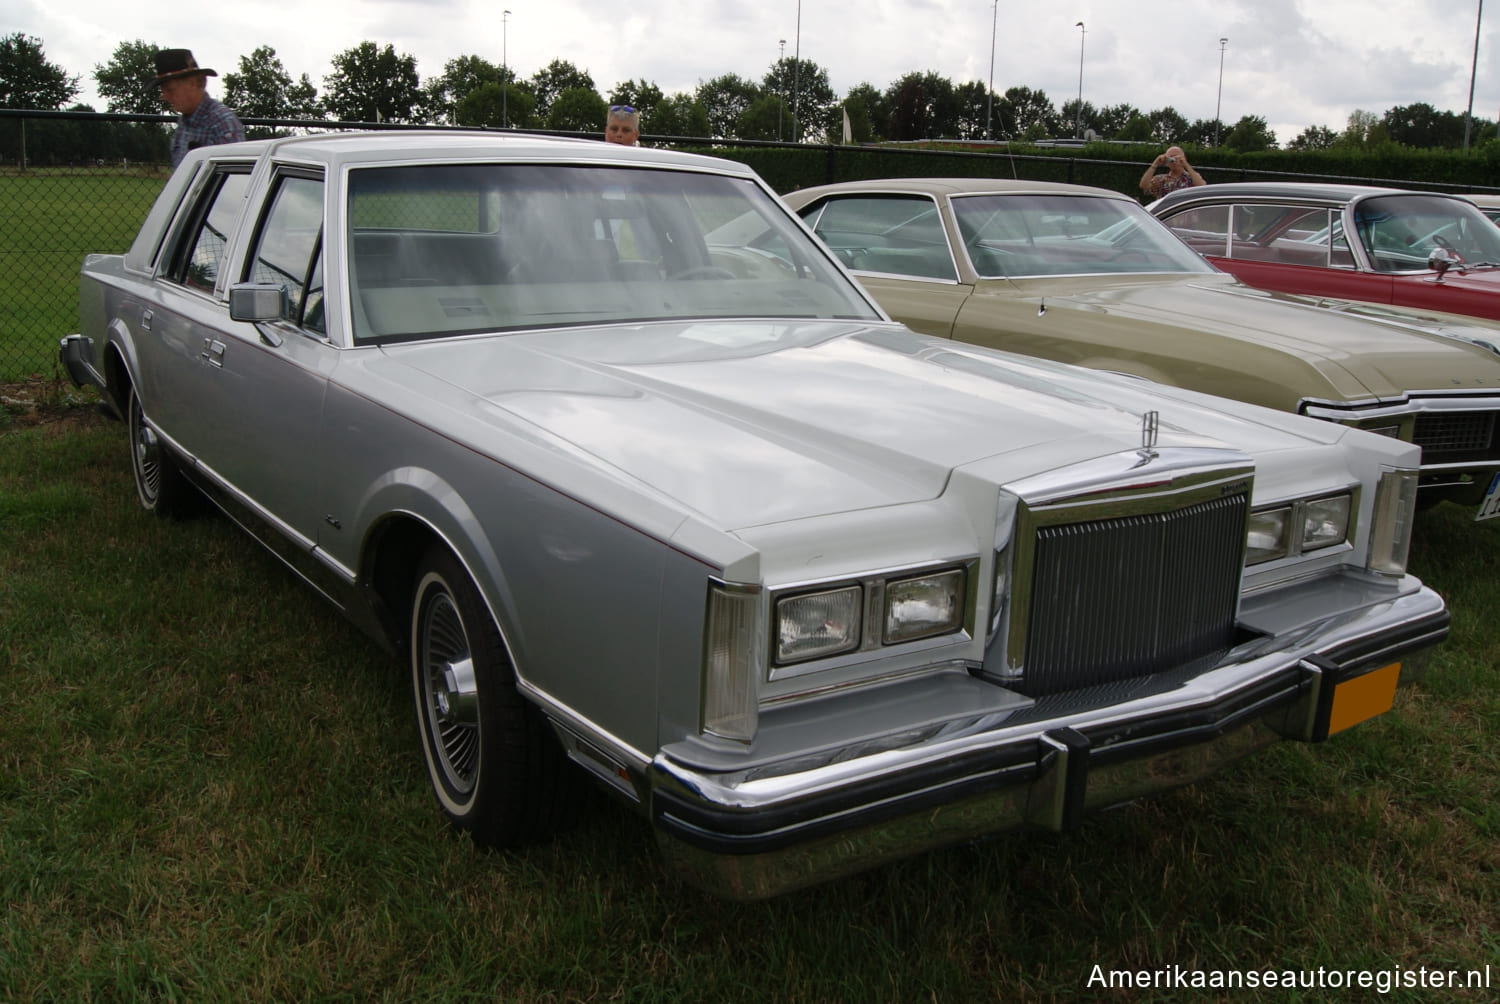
495, 766
159, 484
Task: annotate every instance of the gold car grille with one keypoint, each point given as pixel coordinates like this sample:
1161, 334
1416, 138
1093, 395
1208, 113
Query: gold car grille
1450, 436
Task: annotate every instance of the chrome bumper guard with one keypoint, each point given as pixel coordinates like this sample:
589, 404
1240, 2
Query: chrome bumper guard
751, 836
76, 354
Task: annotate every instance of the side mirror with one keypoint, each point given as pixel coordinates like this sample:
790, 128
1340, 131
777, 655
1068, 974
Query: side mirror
254, 301
1442, 259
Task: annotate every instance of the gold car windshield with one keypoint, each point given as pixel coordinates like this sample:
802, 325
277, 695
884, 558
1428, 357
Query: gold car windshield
437, 251
1014, 236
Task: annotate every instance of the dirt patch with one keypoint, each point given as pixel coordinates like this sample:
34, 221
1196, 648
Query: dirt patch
28, 403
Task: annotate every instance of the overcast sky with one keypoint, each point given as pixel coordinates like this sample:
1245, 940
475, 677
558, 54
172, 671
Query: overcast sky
1294, 62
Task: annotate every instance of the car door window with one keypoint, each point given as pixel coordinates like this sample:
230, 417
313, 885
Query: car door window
200, 254
288, 245
892, 234
1204, 229
1289, 235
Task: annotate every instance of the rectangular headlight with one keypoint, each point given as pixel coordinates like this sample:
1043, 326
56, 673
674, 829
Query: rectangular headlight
1395, 509
1267, 536
1325, 522
818, 625
731, 660
924, 606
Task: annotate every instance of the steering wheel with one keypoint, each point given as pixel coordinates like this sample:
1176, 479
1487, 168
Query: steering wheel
704, 272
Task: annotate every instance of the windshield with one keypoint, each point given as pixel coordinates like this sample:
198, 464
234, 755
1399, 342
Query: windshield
1400, 232
1029, 235
454, 249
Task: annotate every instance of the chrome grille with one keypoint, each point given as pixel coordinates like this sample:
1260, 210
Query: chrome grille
1442, 434
1123, 597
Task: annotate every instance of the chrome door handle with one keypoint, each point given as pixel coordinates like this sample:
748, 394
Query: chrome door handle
146, 317
213, 352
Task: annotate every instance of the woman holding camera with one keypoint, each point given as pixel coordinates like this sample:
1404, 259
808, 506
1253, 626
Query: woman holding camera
1180, 174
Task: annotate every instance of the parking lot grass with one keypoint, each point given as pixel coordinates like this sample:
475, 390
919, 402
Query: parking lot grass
211, 790
51, 221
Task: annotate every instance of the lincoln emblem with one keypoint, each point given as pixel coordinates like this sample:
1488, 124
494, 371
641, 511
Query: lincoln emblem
1150, 423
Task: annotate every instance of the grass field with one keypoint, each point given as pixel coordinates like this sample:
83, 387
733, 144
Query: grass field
210, 790
51, 220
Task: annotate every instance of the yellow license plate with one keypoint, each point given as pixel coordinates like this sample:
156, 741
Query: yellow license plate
1363, 697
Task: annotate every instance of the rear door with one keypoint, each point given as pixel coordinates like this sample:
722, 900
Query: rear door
897, 246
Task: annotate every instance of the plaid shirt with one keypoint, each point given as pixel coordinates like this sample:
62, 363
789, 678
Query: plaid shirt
211, 122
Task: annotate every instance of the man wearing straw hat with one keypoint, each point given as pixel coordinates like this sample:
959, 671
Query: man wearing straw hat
203, 121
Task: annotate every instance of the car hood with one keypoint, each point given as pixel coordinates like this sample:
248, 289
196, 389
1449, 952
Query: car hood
748, 423
1357, 353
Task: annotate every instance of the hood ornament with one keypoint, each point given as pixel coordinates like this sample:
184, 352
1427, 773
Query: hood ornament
1150, 426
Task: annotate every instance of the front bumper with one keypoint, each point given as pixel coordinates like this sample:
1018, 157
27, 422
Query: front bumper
761, 832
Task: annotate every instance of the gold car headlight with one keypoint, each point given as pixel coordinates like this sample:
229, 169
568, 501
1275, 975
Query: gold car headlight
924, 606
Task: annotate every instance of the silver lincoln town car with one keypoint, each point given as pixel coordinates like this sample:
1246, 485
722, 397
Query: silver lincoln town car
641, 485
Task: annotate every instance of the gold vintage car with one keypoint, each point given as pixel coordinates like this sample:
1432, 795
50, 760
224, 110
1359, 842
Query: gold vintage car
1086, 276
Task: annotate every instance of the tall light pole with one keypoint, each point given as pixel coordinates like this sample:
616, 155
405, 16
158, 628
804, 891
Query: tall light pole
797, 72
1218, 101
781, 101
504, 84
1083, 33
989, 101
1469, 112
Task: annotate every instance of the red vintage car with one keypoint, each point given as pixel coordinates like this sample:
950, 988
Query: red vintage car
1416, 249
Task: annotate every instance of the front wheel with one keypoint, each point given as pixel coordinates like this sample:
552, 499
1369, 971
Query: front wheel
495, 767
159, 484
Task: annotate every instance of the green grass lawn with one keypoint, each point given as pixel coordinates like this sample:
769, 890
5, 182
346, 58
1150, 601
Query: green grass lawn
50, 221
211, 791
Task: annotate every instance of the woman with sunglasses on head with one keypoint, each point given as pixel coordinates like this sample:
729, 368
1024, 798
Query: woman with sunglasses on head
622, 126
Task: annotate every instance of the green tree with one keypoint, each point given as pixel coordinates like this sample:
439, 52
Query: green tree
1136, 130
803, 85
1076, 123
973, 106
577, 109
1314, 138
768, 117
1250, 135
1205, 132
1029, 113
1167, 126
724, 99
642, 95
867, 105
28, 79
549, 83
371, 84
127, 83
923, 106
460, 77
1423, 126
1112, 118
263, 89
1365, 129
496, 104
678, 114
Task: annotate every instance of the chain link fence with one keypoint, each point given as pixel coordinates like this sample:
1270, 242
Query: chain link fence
80, 183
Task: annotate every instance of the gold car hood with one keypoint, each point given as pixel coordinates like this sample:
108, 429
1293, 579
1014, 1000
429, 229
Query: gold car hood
1215, 334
